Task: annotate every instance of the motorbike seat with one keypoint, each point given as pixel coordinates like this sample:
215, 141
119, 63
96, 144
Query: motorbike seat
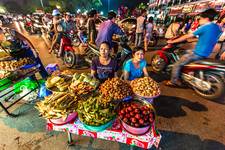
209, 61
93, 46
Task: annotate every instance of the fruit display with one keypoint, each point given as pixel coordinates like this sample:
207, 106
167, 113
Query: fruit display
83, 84
58, 83
13, 65
92, 112
116, 89
137, 114
145, 87
57, 105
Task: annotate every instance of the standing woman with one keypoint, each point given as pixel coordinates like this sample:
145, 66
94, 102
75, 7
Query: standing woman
148, 35
104, 66
136, 67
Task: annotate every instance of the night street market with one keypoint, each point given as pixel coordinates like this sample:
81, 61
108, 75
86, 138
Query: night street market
112, 75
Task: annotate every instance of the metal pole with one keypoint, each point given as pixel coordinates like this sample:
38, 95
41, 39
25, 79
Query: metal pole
108, 5
42, 5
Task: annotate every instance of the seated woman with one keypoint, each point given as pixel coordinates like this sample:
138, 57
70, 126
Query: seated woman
104, 66
136, 66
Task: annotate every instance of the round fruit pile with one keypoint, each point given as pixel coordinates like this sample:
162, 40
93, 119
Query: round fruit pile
145, 87
136, 115
116, 89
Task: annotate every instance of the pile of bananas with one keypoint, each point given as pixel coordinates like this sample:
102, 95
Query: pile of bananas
83, 84
93, 112
116, 89
61, 83
57, 105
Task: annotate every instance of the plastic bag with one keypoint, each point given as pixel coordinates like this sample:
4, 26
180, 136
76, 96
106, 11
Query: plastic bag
43, 92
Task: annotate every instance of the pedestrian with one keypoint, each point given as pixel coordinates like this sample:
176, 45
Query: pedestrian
173, 30
148, 34
91, 28
140, 28
187, 26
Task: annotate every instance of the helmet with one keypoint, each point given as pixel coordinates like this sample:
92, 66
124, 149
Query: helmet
55, 12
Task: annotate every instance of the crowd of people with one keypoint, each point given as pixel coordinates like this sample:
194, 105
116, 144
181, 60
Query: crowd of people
105, 66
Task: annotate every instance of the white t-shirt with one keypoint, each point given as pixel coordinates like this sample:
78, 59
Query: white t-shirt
140, 24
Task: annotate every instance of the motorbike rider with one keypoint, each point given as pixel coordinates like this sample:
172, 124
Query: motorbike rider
106, 31
68, 25
56, 22
221, 22
207, 34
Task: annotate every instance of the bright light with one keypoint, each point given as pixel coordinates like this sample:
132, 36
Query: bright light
58, 7
85, 13
78, 10
101, 13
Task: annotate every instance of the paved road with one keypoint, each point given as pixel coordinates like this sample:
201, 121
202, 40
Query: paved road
185, 120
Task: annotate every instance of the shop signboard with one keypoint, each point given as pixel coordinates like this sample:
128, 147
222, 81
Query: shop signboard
175, 11
201, 7
187, 9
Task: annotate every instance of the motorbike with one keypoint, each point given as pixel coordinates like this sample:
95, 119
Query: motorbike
206, 77
68, 53
121, 56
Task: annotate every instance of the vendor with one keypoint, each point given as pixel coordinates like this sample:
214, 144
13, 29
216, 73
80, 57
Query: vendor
135, 67
104, 66
22, 43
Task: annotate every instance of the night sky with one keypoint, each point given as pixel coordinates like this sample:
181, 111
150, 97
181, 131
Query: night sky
114, 4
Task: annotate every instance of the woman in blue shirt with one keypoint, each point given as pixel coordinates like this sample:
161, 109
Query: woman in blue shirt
136, 66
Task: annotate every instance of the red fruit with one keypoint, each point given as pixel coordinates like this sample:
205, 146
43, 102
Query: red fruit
133, 120
129, 108
125, 120
122, 111
144, 112
132, 114
137, 116
146, 107
137, 110
141, 121
136, 125
151, 120
146, 118
151, 115
127, 115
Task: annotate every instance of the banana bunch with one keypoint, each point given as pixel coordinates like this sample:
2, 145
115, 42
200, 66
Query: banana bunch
93, 112
84, 77
57, 105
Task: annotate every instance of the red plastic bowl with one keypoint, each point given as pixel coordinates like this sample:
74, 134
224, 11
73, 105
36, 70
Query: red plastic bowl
60, 121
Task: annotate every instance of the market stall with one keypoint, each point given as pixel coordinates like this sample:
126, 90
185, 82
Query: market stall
15, 68
114, 110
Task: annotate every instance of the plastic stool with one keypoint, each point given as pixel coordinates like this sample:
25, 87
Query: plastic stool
50, 68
